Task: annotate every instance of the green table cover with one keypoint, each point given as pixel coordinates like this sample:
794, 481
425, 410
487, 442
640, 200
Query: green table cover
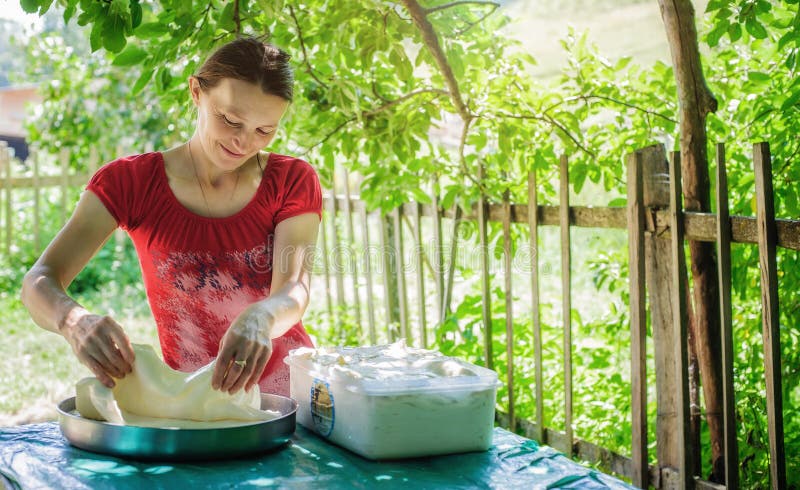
38, 456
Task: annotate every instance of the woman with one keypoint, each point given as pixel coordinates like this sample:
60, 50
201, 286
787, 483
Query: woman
223, 232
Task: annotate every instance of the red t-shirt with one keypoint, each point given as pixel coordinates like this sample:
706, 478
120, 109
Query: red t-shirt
200, 273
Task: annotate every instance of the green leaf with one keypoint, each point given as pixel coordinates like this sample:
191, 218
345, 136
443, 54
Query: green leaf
96, 36
755, 28
30, 6
151, 30
69, 12
142, 81
136, 15
713, 37
735, 32
113, 35
791, 101
715, 5
132, 55
757, 76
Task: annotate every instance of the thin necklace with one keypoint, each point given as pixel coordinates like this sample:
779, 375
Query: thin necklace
200, 184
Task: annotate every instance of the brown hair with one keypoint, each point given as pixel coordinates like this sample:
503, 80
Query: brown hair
250, 60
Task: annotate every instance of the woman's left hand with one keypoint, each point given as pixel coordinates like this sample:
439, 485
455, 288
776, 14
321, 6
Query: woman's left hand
243, 351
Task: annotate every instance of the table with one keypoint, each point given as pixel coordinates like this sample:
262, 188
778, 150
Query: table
38, 456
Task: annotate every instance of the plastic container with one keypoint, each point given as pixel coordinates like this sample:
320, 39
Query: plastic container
391, 401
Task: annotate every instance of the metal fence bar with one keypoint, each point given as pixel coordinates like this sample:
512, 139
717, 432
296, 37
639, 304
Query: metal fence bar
730, 448
680, 320
636, 274
566, 297
770, 316
438, 249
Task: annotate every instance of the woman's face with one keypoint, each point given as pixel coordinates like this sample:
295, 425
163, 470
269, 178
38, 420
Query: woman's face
235, 120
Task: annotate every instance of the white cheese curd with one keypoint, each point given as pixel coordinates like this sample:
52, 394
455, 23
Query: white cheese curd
393, 401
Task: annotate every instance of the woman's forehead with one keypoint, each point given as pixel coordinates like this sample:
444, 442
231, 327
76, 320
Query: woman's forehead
247, 101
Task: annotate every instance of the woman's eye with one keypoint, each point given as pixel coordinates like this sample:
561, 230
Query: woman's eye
230, 123
265, 132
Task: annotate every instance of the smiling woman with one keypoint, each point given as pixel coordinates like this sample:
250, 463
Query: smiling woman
208, 219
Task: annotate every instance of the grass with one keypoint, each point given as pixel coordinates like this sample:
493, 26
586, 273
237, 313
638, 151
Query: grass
38, 368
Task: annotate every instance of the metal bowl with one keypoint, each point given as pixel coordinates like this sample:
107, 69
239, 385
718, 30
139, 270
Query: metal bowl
173, 444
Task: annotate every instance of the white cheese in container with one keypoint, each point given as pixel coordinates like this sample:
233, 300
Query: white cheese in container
393, 401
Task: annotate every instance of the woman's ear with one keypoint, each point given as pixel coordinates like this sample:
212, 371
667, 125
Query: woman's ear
194, 90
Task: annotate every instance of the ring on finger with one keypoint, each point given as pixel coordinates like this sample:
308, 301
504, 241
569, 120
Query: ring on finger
241, 363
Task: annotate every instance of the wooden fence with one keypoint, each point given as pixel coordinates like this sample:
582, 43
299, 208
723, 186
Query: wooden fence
657, 228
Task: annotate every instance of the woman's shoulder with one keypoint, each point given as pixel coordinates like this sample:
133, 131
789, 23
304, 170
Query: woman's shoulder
131, 166
288, 165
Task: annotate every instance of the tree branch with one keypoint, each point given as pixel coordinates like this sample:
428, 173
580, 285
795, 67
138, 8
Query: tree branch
431, 40
236, 19
615, 101
460, 2
309, 69
551, 121
390, 103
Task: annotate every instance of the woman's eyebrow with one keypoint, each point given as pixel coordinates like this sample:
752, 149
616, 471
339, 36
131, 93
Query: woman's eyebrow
234, 113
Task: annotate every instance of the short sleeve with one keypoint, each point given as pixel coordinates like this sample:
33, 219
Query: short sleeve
123, 186
302, 192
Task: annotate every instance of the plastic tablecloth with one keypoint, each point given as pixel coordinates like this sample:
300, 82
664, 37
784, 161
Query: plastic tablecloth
38, 456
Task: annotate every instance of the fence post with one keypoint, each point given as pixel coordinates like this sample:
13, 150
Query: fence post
658, 279
5, 164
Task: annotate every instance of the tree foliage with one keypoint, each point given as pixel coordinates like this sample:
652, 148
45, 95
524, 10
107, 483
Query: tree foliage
372, 89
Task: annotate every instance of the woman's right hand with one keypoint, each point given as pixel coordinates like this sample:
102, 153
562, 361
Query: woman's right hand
100, 344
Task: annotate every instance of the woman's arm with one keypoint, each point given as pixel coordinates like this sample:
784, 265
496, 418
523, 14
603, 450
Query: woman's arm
98, 341
250, 335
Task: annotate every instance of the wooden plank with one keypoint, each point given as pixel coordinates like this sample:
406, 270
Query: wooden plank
658, 278
767, 241
451, 267
638, 319
421, 298
387, 256
744, 229
373, 337
37, 211
323, 236
730, 447
697, 226
533, 227
488, 354
5, 165
680, 320
607, 460
64, 178
348, 213
438, 247
507, 289
402, 293
341, 303
566, 297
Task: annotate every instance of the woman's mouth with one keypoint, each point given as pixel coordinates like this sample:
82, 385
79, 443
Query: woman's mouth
231, 153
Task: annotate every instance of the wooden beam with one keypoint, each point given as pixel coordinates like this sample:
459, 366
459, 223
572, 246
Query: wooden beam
533, 228
566, 296
486, 293
680, 321
638, 319
770, 315
730, 448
